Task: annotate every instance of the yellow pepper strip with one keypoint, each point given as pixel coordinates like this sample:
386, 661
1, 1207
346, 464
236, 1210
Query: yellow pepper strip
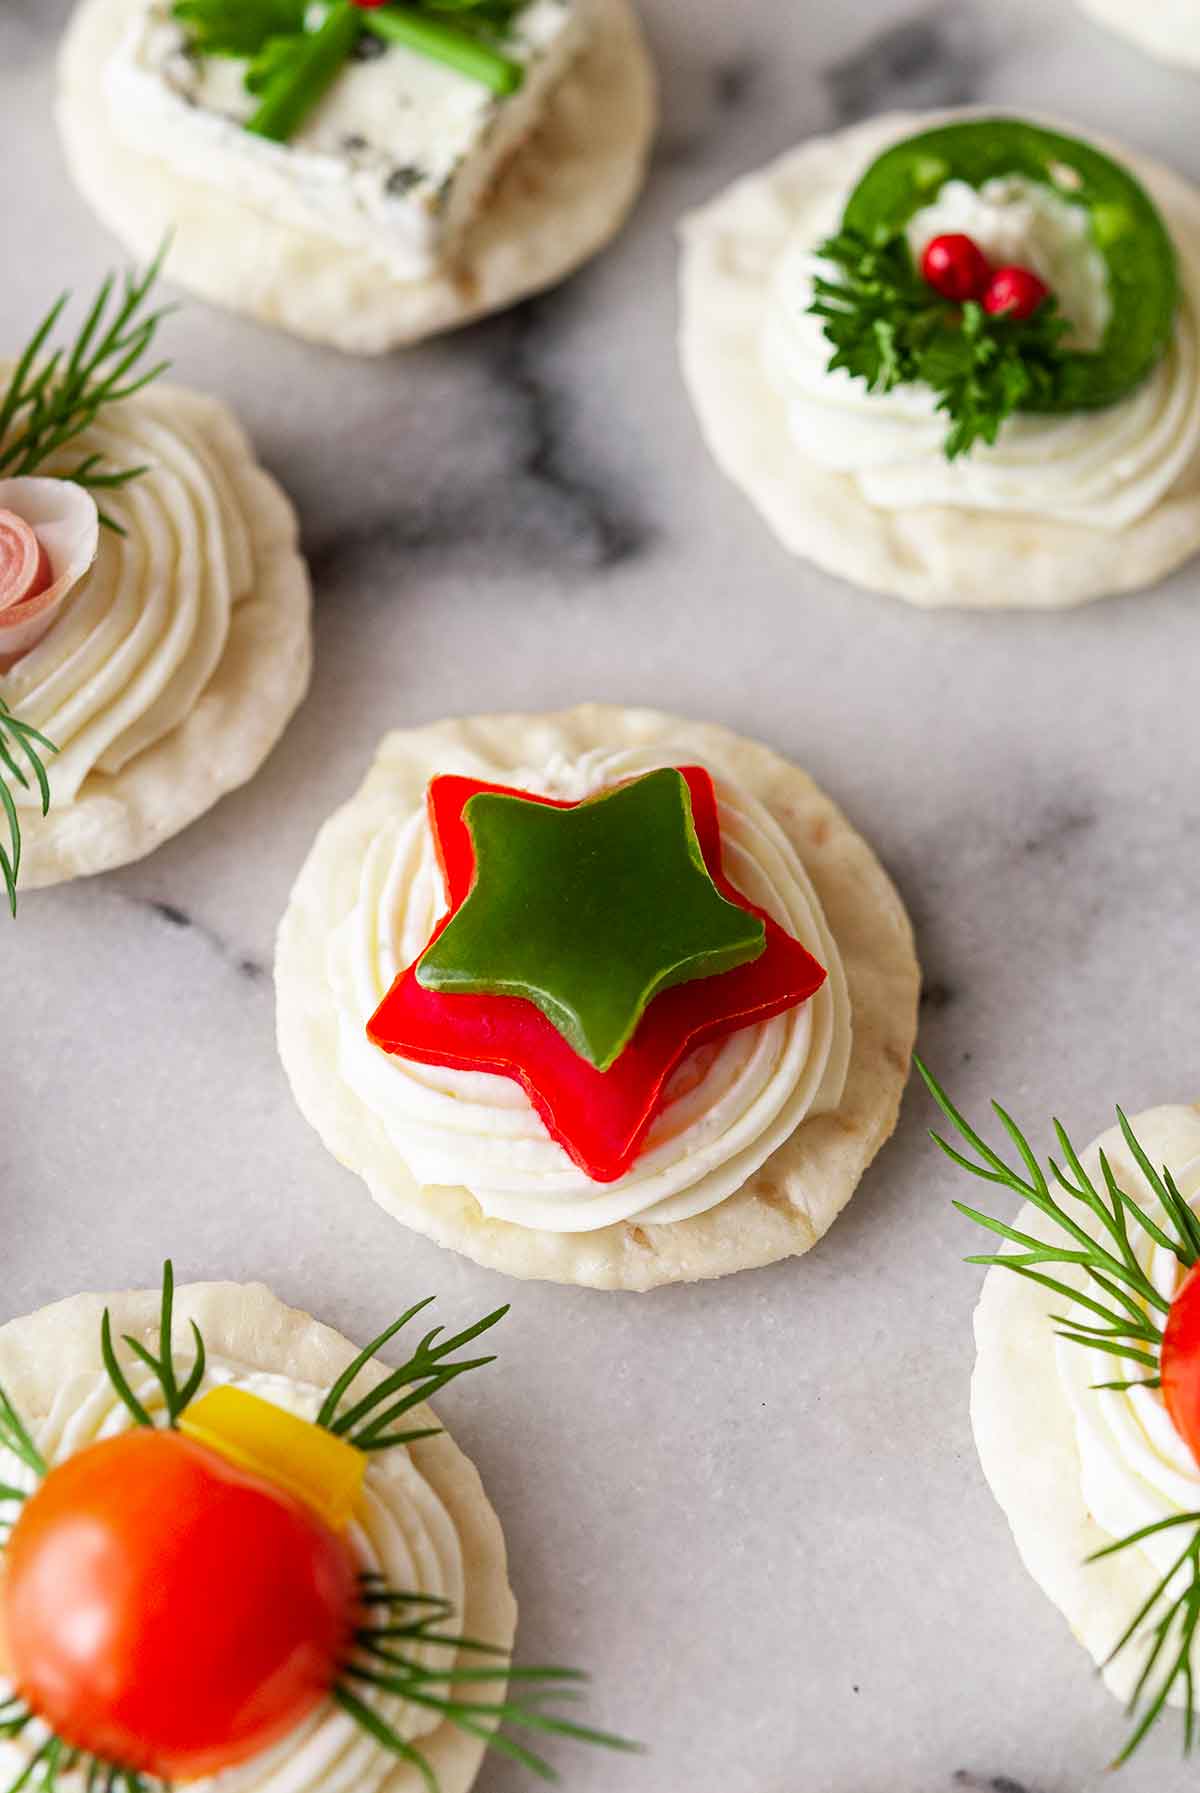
323, 1471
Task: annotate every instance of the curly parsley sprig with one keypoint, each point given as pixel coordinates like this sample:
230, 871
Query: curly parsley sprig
889, 328
1130, 1311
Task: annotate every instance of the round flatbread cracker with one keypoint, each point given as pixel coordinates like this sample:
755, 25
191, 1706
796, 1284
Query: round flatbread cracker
257, 687
1168, 29
932, 556
246, 1323
796, 1195
1025, 1430
563, 197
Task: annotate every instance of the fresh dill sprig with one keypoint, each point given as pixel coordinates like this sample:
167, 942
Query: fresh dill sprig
55, 394
19, 742
1130, 1311
367, 1424
387, 1660
888, 328
1124, 1300
162, 1367
55, 1757
15, 1438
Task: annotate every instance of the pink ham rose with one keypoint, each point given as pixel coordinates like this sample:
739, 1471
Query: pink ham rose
49, 537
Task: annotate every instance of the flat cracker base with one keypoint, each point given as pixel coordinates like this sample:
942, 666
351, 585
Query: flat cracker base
562, 198
259, 684
246, 1323
793, 1199
932, 556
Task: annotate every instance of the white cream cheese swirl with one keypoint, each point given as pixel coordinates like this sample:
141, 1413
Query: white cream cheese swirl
400, 1529
1103, 469
141, 636
1136, 1468
729, 1105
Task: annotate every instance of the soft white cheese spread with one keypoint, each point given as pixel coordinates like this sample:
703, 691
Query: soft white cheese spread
395, 161
400, 1529
729, 1106
141, 635
1104, 469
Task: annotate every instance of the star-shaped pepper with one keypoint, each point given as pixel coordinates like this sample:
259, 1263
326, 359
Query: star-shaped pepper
589, 912
599, 1117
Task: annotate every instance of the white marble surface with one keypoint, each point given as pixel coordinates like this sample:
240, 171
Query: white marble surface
752, 1507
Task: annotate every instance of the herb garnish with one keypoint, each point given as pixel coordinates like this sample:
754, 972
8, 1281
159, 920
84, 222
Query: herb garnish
19, 738
397, 1628
889, 328
1129, 1314
54, 395
293, 59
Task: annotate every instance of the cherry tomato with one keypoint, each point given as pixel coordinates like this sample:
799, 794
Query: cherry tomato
169, 1612
955, 266
1179, 1361
1015, 293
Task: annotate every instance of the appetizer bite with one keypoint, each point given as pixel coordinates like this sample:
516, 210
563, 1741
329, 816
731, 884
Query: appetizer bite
956, 361
603, 997
1168, 29
154, 611
1085, 1400
359, 173
237, 1554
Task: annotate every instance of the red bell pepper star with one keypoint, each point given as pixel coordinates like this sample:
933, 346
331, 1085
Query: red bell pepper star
600, 1118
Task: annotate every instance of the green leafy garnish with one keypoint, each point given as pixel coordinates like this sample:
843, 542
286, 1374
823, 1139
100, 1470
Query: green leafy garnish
366, 1424
21, 750
1129, 1316
54, 395
889, 328
294, 55
239, 27
388, 1659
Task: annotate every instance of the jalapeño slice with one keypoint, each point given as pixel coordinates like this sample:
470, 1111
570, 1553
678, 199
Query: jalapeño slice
1124, 223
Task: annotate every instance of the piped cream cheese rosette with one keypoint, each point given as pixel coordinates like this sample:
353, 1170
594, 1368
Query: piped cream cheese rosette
1092, 486
293, 1581
1086, 1390
1168, 29
154, 621
478, 154
757, 1137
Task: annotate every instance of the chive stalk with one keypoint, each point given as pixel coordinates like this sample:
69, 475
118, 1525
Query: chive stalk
442, 43
293, 94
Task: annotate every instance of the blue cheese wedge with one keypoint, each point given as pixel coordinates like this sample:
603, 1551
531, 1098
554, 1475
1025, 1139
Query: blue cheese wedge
398, 158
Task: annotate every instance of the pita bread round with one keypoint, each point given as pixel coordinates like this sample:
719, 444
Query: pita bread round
563, 197
1168, 29
796, 1195
246, 1323
1025, 1430
259, 683
932, 556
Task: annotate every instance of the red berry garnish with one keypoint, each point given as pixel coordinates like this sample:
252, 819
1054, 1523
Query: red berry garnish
956, 267
1015, 293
